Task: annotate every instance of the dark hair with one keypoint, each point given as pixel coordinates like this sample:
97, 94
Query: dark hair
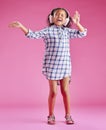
67, 15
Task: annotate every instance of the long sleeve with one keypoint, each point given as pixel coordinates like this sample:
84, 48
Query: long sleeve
37, 34
73, 33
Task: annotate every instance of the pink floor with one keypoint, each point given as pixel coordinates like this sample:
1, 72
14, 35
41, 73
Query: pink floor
34, 118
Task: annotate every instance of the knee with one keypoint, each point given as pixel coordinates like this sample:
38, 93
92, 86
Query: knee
64, 92
53, 94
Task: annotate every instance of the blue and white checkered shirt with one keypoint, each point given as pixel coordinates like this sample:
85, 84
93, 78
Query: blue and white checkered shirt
57, 62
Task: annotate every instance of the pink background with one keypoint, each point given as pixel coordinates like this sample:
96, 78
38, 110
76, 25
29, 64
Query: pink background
21, 80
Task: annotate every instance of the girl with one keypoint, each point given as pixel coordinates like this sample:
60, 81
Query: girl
57, 63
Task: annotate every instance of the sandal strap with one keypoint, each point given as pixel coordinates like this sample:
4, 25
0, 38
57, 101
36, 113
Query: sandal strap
51, 118
69, 120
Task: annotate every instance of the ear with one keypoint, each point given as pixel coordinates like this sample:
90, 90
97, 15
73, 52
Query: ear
50, 18
67, 21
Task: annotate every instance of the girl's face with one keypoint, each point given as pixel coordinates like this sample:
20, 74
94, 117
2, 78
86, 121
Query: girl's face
59, 17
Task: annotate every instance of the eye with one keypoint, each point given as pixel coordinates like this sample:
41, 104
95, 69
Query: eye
62, 15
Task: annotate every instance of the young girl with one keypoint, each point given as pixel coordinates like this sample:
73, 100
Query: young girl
57, 63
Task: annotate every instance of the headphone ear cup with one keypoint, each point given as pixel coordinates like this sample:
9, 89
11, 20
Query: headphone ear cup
67, 21
50, 18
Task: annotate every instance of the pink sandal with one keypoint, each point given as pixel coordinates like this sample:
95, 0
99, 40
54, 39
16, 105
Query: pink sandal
69, 120
51, 120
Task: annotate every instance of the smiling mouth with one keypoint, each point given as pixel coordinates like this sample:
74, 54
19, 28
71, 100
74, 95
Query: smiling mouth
59, 20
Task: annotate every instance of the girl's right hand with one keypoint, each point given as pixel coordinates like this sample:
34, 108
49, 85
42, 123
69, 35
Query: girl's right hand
15, 24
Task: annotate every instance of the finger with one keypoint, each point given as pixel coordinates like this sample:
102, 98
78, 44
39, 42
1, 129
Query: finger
12, 24
77, 13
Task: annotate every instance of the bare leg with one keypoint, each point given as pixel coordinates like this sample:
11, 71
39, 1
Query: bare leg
66, 98
64, 83
52, 96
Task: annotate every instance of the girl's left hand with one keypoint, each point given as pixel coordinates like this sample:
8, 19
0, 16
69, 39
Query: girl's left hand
76, 18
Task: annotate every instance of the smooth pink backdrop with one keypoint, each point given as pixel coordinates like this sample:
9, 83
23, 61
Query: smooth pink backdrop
21, 80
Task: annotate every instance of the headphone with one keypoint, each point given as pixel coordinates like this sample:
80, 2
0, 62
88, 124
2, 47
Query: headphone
53, 14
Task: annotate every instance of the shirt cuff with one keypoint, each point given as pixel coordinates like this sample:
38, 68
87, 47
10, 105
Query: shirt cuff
83, 33
28, 34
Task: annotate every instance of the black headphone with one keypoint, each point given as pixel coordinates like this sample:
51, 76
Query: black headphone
68, 19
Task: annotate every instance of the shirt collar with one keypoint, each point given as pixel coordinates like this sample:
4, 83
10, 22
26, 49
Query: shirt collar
58, 27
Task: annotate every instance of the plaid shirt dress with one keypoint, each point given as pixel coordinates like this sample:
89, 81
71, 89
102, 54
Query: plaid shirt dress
57, 62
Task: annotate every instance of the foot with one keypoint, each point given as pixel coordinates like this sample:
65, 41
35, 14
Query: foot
69, 120
51, 119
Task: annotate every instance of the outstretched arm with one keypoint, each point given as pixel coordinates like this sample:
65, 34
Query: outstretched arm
17, 24
76, 21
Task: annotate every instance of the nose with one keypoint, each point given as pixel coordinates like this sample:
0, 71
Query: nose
59, 15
